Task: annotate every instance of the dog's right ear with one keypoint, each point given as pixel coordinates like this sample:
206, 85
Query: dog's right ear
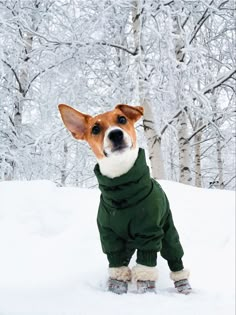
74, 121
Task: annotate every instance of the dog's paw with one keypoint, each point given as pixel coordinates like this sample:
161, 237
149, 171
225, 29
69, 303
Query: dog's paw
117, 286
146, 286
183, 286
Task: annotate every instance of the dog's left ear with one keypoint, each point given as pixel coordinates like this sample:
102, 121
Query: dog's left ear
132, 112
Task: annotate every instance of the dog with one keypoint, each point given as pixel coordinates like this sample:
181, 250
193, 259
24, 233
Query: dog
134, 213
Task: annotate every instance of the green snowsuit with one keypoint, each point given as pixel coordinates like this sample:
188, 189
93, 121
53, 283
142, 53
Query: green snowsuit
134, 214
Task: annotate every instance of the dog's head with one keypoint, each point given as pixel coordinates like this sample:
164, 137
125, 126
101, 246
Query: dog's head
111, 135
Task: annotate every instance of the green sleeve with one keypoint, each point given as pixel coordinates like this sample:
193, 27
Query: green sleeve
113, 246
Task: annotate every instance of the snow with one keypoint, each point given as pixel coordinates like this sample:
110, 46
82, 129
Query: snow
51, 260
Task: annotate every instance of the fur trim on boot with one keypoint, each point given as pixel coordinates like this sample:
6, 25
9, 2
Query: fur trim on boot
144, 273
179, 275
120, 273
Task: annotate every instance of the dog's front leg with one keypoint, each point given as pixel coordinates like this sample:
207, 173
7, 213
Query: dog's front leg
118, 279
145, 277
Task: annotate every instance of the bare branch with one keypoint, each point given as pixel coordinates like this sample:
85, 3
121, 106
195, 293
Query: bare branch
200, 22
81, 45
219, 81
21, 90
43, 71
229, 181
133, 53
203, 127
172, 119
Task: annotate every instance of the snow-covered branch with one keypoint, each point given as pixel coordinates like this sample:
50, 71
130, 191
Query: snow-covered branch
15, 75
219, 81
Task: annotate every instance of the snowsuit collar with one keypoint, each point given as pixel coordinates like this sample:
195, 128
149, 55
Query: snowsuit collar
126, 190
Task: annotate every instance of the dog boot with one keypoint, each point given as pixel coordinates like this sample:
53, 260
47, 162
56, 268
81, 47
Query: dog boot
183, 286
145, 277
146, 286
117, 286
180, 279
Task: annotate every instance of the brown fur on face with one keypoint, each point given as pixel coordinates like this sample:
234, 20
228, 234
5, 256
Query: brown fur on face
80, 125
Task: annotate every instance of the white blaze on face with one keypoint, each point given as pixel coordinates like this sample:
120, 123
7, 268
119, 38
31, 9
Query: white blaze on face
109, 147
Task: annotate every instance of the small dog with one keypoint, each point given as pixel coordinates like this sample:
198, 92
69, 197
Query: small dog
134, 212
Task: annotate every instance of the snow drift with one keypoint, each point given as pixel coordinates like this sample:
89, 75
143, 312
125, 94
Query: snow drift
51, 260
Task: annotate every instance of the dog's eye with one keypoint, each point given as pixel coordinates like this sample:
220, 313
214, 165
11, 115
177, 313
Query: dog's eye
96, 130
122, 120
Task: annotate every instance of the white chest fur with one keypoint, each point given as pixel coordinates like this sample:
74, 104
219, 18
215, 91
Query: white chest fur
118, 164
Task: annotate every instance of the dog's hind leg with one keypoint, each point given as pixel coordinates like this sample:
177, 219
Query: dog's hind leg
173, 252
181, 282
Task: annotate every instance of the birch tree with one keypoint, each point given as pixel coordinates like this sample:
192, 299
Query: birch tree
153, 139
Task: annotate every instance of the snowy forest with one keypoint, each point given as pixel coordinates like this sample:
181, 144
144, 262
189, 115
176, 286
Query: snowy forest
174, 58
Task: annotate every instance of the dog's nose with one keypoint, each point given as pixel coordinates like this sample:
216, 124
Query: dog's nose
116, 136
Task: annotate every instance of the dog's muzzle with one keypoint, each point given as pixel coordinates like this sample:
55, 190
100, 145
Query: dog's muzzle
116, 140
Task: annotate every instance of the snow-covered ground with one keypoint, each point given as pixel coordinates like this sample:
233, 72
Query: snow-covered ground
51, 260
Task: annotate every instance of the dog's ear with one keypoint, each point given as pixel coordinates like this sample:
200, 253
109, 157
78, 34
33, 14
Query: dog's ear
132, 112
74, 121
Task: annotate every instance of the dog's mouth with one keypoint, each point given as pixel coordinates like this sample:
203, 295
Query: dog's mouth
118, 149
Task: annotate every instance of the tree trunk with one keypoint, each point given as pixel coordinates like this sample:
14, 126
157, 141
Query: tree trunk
197, 160
154, 144
77, 175
184, 145
23, 81
184, 150
152, 138
220, 163
64, 166
172, 164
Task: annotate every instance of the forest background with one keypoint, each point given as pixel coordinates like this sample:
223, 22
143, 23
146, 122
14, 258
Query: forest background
175, 58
